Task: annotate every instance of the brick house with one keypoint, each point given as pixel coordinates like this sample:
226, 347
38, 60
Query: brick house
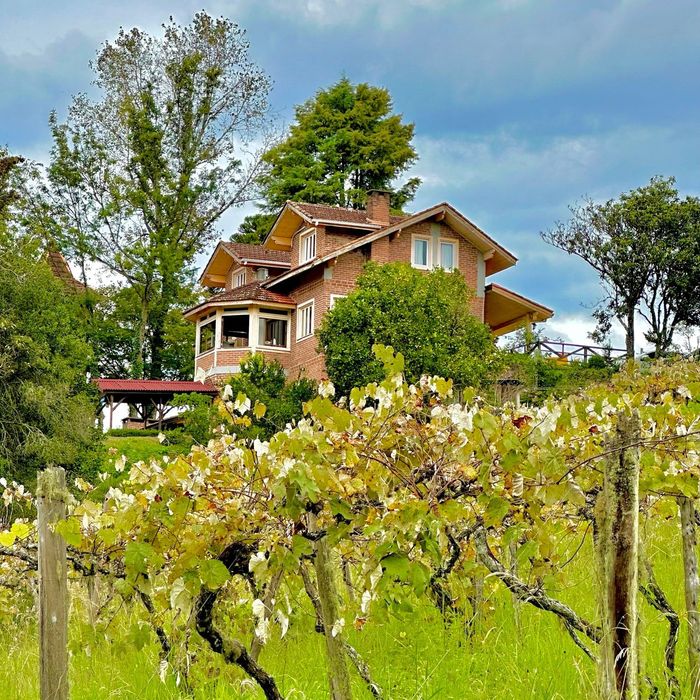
274, 295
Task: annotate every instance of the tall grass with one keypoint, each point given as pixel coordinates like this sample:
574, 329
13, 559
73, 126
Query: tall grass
414, 656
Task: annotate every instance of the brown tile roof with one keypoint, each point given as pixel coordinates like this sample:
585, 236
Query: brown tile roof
324, 212
248, 251
247, 292
62, 271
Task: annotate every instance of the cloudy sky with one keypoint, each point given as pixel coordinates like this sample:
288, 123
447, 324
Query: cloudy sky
521, 106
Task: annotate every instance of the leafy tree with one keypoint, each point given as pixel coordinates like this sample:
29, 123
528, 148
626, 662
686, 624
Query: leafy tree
139, 177
426, 317
345, 142
254, 228
644, 246
265, 382
47, 408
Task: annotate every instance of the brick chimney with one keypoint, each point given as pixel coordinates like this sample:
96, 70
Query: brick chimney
378, 206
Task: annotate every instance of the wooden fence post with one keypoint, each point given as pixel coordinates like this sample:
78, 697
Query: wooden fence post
692, 586
617, 515
53, 586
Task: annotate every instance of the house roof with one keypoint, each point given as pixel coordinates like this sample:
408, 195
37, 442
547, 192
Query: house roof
248, 293
61, 270
216, 269
247, 252
323, 213
505, 310
496, 256
153, 386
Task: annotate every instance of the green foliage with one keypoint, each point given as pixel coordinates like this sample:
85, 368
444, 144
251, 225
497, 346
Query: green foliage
47, 408
264, 382
254, 228
425, 317
198, 416
645, 246
345, 142
139, 177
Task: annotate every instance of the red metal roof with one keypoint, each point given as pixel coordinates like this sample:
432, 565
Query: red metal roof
154, 386
248, 251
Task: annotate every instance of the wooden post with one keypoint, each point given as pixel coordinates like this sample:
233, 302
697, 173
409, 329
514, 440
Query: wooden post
690, 567
53, 586
617, 515
339, 678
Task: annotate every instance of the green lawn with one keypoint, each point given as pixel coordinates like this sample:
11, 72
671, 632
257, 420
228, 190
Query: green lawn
140, 448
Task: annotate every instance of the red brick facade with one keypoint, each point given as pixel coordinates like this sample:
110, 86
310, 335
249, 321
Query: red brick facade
326, 275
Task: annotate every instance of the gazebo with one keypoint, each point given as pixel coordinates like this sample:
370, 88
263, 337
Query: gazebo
147, 394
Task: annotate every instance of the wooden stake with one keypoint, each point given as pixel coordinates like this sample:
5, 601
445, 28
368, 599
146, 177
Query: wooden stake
617, 515
53, 586
690, 568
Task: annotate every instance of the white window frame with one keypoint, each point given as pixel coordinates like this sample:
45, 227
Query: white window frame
455, 257
242, 312
307, 246
429, 255
274, 317
301, 316
211, 318
334, 298
238, 279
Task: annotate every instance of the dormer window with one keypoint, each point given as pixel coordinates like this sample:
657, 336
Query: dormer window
239, 279
307, 246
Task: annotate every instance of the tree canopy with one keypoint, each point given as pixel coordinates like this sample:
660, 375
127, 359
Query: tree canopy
426, 317
345, 141
140, 176
645, 247
47, 409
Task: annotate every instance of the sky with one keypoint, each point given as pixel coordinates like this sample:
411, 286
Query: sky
521, 107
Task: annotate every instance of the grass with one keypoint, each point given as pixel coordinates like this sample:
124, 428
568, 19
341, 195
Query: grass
141, 448
414, 657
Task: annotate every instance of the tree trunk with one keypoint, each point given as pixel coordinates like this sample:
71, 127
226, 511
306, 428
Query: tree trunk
629, 334
338, 675
617, 513
690, 567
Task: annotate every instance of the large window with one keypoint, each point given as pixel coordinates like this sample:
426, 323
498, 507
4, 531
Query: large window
273, 332
448, 255
420, 253
235, 331
305, 320
307, 246
207, 333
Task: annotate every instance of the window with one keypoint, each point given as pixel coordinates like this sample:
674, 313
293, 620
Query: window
207, 333
305, 320
239, 279
447, 255
234, 331
420, 254
273, 332
334, 298
262, 273
307, 246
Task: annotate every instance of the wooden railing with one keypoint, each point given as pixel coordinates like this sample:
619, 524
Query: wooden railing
567, 351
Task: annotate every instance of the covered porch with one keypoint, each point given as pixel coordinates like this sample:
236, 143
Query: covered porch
506, 311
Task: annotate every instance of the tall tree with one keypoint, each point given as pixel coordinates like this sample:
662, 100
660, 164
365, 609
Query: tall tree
425, 317
345, 141
47, 412
139, 177
644, 247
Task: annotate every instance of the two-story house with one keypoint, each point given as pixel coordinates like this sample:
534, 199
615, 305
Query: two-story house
275, 294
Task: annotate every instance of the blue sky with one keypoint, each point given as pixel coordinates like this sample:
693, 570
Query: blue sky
521, 106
